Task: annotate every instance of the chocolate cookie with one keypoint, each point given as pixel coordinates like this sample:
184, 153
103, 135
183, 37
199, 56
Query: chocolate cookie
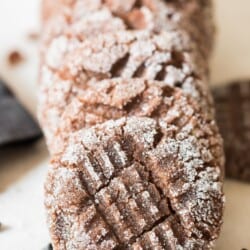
137, 160
139, 183
16, 124
232, 104
81, 70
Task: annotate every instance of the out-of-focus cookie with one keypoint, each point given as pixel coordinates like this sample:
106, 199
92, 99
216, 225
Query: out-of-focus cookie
232, 103
16, 124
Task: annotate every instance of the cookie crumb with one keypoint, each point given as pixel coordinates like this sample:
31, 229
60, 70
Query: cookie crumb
15, 57
33, 36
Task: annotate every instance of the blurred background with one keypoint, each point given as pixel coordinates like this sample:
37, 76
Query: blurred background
23, 167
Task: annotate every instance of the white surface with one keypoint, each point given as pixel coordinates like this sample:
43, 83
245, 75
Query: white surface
22, 171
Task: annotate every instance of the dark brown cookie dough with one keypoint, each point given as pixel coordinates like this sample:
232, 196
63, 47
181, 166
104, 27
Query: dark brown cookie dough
232, 104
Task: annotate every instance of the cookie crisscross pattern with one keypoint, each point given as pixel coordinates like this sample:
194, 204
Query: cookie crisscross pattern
137, 160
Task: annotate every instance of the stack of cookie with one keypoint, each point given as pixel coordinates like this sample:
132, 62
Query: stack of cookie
136, 157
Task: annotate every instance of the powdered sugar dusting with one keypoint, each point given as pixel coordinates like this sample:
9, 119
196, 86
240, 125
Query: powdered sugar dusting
136, 155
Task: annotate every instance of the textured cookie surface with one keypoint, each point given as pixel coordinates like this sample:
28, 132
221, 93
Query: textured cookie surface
76, 72
163, 40
137, 159
232, 104
139, 183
